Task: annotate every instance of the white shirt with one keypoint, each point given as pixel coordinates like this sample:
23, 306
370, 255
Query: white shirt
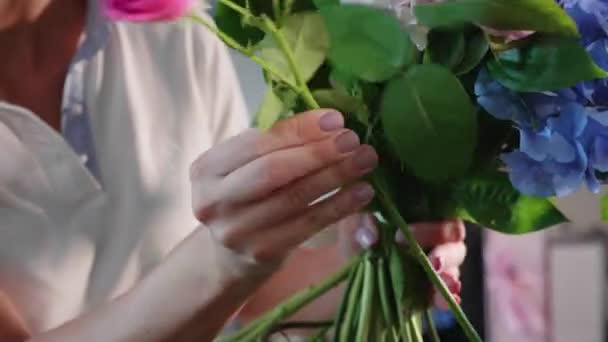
158, 95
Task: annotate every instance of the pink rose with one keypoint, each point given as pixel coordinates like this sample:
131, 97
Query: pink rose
146, 10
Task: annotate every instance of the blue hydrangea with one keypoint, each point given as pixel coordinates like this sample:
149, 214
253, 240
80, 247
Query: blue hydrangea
563, 134
555, 137
591, 17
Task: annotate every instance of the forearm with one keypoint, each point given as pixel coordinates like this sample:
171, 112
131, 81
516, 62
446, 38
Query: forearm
304, 268
187, 298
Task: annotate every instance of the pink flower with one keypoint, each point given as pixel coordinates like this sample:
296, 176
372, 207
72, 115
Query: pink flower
146, 10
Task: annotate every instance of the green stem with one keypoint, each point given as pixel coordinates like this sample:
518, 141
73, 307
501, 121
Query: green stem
431, 326
244, 50
291, 60
344, 328
237, 8
421, 257
367, 302
292, 305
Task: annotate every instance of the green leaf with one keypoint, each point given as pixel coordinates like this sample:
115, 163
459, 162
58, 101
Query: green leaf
306, 37
548, 63
536, 15
493, 202
604, 207
365, 42
336, 99
476, 48
270, 110
433, 135
445, 47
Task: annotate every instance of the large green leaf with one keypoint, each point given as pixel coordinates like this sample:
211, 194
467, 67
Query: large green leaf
548, 63
365, 42
536, 15
306, 36
433, 133
493, 202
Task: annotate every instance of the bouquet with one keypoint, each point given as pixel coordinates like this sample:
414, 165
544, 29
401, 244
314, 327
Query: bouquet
479, 109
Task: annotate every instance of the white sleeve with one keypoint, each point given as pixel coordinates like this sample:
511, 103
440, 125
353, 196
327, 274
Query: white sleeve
220, 85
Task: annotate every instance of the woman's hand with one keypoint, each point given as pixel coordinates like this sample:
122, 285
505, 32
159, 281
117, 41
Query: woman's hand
254, 191
445, 239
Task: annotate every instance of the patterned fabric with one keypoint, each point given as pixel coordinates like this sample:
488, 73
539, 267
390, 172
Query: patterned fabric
75, 120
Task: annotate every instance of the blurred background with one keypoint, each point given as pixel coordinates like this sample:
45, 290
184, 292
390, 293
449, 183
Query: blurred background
550, 286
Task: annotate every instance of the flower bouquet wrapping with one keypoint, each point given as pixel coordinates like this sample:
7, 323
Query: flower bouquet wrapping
479, 109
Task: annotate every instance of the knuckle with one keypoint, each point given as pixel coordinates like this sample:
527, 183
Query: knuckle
199, 167
229, 238
202, 209
266, 254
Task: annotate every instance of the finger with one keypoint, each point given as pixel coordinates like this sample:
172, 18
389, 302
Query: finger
448, 255
453, 285
296, 199
269, 173
283, 238
430, 235
453, 271
252, 144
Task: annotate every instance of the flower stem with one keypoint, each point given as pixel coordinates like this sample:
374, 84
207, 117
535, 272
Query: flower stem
260, 326
291, 60
242, 49
421, 257
432, 329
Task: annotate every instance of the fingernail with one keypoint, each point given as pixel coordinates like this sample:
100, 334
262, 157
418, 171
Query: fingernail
347, 142
366, 237
364, 193
365, 159
437, 263
331, 121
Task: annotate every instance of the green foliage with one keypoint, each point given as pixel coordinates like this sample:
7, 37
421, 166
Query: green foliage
446, 47
536, 15
492, 201
476, 48
306, 37
365, 42
233, 24
548, 63
433, 135
244, 30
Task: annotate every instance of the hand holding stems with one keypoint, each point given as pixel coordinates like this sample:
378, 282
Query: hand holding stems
445, 239
254, 191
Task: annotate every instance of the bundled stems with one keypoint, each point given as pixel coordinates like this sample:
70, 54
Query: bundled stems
422, 259
265, 323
